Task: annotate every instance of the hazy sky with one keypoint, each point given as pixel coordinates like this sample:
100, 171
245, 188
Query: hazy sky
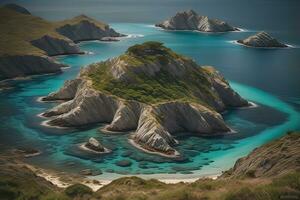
255, 14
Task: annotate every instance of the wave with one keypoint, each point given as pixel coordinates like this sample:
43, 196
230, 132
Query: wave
134, 36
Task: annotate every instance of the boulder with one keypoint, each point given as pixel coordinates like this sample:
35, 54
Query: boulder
94, 145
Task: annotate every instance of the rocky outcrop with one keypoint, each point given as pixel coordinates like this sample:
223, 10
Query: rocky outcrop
55, 46
67, 92
88, 106
190, 20
17, 8
262, 40
20, 66
153, 123
272, 159
86, 29
156, 124
94, 146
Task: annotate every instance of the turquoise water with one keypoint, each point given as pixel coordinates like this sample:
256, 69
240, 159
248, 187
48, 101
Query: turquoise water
258, 75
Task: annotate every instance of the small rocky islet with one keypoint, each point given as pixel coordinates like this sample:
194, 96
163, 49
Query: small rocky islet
190, 20
150, 90
262, 40
29, 50
93, 145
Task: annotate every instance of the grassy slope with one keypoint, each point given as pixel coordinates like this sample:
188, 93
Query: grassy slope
244, 189
78, 19
151, 89
18, 182
17, 30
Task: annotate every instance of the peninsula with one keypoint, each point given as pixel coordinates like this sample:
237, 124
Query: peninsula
150, 90
27, 42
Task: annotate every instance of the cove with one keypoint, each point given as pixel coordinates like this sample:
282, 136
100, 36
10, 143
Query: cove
275, 114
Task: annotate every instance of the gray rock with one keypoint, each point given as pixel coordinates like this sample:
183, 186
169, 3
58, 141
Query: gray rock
190, 20
54, 46
24, 65
67, 92
86, 30
94, 145
261, 39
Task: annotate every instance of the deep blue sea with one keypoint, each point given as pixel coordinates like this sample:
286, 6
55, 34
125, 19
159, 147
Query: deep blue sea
269, 78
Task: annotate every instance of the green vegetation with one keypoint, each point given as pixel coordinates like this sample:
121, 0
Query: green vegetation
78, 190
80, 18
285, 187
132, 188
223, 189
17, 30
18, 182
157, 88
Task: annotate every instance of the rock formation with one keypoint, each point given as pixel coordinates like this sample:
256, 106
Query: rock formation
272, 159
86, 28
149, 89
94, 145
55, 46
190, 20
263, 40
28, 40
15, 66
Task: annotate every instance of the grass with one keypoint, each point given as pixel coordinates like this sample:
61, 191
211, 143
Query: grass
78, 19
78, 190
19, 183
17, 30
161, 87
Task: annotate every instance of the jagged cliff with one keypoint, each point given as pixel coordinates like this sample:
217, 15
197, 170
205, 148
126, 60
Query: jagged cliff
55, 46
82, 28
190, 20
262, 40
150, 90
27, 40
24, 65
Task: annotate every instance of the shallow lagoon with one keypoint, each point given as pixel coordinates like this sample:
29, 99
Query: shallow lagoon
258, 75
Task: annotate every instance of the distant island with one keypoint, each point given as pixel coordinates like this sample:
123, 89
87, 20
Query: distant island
27, 42
190, 20
262, 40
150, 90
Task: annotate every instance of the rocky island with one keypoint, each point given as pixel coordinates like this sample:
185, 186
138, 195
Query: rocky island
190, 20
27, 42
151, 91
262, 40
